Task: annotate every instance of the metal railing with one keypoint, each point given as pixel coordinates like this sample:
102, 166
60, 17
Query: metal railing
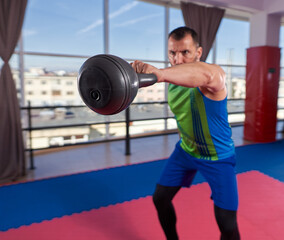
30, 128
127, 122
127, 137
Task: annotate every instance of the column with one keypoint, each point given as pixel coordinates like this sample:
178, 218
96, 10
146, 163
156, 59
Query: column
262, 78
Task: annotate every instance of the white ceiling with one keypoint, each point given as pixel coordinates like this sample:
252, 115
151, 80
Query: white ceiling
234, 8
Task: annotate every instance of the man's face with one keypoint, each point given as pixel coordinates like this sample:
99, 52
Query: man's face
183, 51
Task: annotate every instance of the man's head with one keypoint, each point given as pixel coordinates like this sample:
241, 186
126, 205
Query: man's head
183, 46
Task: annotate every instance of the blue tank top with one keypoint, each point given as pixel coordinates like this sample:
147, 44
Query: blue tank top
202, 123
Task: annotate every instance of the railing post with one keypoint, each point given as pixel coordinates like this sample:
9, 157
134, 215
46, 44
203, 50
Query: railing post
127, 135
30, 136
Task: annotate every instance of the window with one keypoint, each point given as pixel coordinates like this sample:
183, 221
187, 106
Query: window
176, 19
56, 93
69, 27
136, 29
52, 64
232, 42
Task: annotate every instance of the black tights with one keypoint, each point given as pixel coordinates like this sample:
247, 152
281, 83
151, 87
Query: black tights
227, 222
226, 219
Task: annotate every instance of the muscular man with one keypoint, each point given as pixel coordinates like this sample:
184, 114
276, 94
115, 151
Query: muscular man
197, 96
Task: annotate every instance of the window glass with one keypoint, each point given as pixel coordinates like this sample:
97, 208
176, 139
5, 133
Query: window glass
232, 42
67, 27
14, 65
209, 58
136, 29
53, 64
42, 75
176, 19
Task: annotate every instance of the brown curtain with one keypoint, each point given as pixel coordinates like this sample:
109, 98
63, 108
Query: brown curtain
205, 21
12, 155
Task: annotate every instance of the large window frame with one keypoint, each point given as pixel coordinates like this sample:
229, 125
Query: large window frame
166, 113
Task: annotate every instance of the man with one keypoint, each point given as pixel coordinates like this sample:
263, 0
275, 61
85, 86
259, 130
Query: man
197, 96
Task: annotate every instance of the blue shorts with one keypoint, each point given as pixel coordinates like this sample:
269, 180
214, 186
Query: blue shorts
180, 170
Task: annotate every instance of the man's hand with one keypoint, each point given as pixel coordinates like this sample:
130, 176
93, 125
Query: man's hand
141, 67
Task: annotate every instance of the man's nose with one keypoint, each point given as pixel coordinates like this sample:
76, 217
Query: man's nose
178, 58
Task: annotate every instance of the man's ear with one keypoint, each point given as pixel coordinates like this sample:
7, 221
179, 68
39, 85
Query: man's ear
199, 53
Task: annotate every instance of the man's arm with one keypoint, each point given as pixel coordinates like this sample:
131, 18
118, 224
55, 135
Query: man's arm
210, 78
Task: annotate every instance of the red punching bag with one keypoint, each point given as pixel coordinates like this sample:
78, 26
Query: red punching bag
262, 84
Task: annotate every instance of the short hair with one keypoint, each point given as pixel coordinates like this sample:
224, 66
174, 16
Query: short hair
180, 32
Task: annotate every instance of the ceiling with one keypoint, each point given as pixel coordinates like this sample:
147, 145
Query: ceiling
241, 9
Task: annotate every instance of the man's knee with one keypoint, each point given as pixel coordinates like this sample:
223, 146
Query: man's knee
227, 222
226, 219
228, 228
159, 197
156, 199
163, 195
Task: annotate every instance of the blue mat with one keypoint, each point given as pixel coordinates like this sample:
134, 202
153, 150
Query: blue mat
27, 203
267, 158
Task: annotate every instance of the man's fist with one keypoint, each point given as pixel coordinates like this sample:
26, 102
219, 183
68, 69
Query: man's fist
141, 67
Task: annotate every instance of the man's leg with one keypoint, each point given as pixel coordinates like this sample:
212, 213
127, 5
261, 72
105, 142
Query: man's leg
163, 202
227, 222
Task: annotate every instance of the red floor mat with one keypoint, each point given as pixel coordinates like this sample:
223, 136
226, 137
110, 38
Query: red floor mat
260, 217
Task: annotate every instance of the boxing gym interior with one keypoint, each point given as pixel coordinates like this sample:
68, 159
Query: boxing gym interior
80, 159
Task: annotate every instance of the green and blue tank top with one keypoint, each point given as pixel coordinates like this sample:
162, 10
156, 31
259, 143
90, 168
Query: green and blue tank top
202, 123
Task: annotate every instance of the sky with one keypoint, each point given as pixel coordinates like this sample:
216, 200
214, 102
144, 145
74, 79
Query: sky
136, 30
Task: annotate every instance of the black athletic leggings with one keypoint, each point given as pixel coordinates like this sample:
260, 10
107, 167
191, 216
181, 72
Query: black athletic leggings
226, 219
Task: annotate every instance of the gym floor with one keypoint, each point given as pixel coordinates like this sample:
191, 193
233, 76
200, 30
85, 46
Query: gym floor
65, 161
86, 205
